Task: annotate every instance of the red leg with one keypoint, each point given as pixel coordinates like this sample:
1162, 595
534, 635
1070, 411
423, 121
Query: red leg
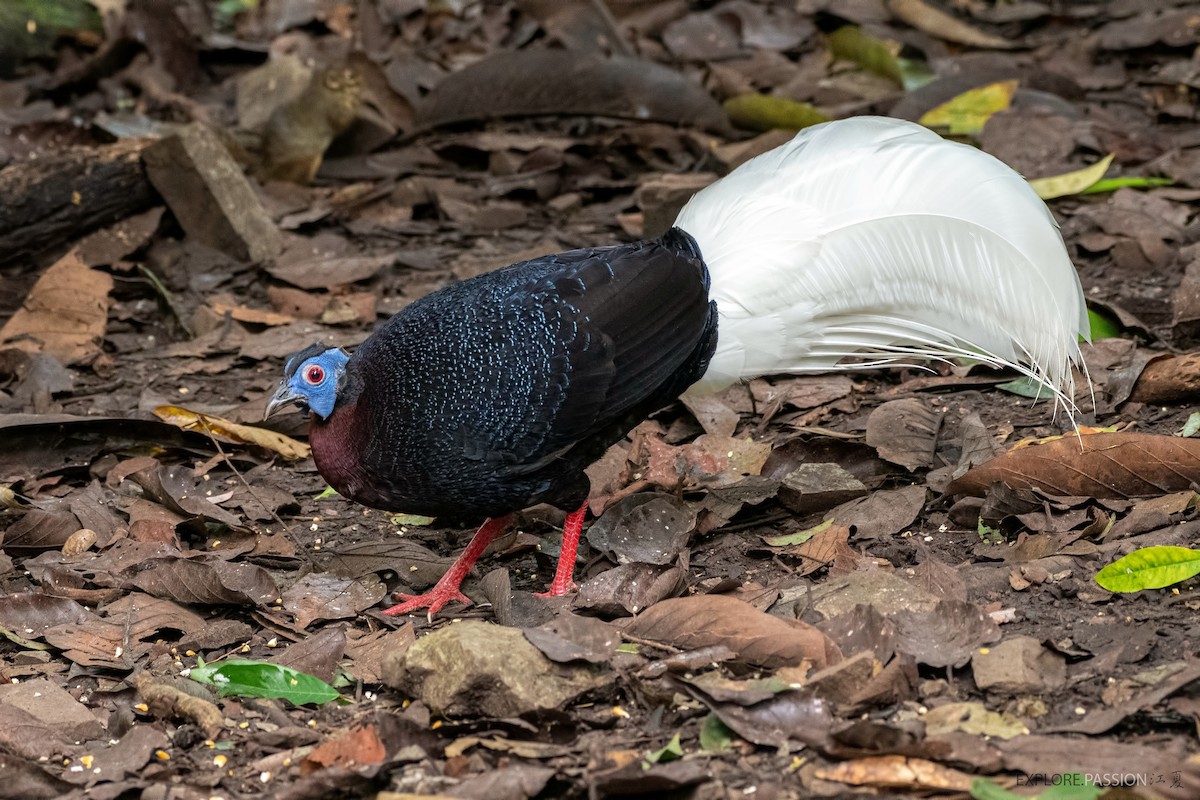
447, 588
563, 573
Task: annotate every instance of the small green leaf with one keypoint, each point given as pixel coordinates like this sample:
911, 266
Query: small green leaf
1071, 182
989, 534
1103, 326
764, 112
1112, 184
715, 736
1070, 786
629, 647
915, 73
327, 492
246, 678
672, 751
800, 537
416, 520
966, 114
1026, 387
983, 789
1192, 426
850, 43
1150, 568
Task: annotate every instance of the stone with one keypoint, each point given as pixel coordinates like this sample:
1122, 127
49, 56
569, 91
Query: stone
54, 707
1020, 665
209, 195
476, 669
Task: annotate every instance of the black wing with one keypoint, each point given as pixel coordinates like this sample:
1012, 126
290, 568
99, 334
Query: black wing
496, 392
635, 329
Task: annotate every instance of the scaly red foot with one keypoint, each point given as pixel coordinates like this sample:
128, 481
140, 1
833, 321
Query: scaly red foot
447, 589
434, 599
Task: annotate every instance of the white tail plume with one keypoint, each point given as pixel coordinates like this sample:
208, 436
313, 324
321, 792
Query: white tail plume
876, 238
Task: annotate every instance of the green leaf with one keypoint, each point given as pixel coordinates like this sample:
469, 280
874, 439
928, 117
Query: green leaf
715, 736
1103, 326
1071, 786
764, 112
1026, 387
328, 491
983, 789
246, 678
800, 537
915, 73
989, 534
850, 43
1150, 568
629, 647
1112, 184
1192, 426
672, 751
966, 114
1071, 182
416, 520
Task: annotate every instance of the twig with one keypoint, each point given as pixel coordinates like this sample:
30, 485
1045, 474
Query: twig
614, 30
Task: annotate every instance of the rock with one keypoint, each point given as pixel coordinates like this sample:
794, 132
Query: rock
206, 190
476, 669
661, 199
1019, 666
818, 487
889, 594
842, 683
54, 707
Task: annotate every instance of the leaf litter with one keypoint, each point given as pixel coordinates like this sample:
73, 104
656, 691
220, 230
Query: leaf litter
800, 586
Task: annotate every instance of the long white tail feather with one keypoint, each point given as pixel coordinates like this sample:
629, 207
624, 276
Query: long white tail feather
876, 238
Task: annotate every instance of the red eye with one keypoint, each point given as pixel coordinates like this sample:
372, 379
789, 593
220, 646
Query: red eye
314, 375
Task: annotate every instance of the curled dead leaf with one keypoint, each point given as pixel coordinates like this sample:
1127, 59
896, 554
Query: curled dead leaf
232, 431
79, 542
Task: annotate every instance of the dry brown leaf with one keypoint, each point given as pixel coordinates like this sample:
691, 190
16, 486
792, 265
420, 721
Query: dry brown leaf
513, 83
1107, 465
355, 748
935, 22
821, 549
255, 316
905, 432
897, 772
757, 637
64, 313
232, 431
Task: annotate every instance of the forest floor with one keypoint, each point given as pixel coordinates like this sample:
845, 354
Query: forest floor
825, 614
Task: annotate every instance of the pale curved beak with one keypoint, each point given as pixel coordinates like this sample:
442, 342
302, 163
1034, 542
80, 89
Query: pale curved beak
283, 397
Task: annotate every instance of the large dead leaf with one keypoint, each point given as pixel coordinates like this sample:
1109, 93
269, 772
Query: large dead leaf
905, 432
646, 528
757, 637
513, 84
205, 582
64, 313
117, 636
947, 635
1107, 465
318, 596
